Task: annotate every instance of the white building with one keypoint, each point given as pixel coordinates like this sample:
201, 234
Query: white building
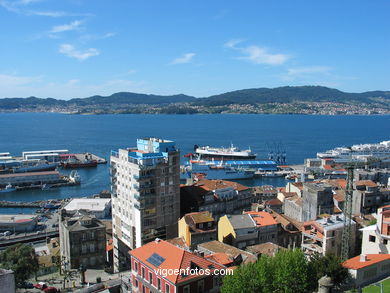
367, 269
100, 207
145, 186
376, 238
324, 235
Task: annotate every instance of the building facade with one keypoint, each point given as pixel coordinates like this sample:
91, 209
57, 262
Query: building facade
153, 266
324, 236
376, 238
82, 240
247, 229
219, 197
145, 186
196, 228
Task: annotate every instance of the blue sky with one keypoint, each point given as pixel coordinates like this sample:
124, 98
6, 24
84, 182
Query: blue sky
77, 48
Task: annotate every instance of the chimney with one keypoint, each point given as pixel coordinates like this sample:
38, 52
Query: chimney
363, 258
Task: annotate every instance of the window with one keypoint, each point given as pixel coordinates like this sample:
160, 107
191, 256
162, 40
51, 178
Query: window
150, 278
371, 238
166, 288
158, 283
136, 283
201, 286
186, 289
83, 248
136, 266
143, 273
385, 241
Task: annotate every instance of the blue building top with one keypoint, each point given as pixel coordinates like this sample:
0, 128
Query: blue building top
155, 145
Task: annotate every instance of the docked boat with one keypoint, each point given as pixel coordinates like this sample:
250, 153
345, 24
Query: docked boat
8, 188
243, 169
229, 153
376, 151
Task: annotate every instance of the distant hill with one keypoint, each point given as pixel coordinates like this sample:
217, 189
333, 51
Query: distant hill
127, 102
289, 94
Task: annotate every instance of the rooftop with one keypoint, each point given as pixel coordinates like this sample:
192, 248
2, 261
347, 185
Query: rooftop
215, 246
268, 248
200, 217
262, 218
92, 204
356, 263
160, 254
241, 221
368, 183
211, 185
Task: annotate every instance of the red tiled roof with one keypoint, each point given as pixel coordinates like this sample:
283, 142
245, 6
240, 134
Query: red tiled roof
221, 258
174, 258
274, 201
262, 218
355, 263
211, 185
368, 183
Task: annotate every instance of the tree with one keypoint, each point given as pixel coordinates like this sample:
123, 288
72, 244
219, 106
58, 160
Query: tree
21, 259
288, 272
329, 265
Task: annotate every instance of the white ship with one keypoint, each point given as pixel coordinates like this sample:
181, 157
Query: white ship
230, 153
377, 151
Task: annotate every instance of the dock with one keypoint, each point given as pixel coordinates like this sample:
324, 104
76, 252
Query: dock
94, 157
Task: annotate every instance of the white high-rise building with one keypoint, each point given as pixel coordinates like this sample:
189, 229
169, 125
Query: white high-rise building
145, 184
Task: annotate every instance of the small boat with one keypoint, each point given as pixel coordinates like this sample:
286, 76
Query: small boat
46, 186
8, 188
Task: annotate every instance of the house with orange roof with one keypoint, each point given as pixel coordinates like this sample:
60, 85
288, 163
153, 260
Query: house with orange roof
250, 228
376, 238
196, 228
324, 235
366, 269
160, 266
219, 197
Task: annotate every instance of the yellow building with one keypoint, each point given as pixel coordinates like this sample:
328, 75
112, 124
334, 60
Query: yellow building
196, 228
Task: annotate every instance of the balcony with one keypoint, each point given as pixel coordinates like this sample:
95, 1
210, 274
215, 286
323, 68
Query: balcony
115, 154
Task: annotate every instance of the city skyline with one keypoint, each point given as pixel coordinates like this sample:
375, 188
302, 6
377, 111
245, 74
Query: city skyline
73, 50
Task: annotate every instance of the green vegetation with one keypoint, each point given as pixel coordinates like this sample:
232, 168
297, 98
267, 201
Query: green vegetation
288, 271
21, 259
281, 100
377, 289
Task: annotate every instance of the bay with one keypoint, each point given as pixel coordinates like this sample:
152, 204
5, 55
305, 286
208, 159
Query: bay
301, 136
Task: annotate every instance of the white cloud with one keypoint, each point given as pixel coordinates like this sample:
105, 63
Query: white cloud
185, 58
232, 43
74, 25
309, 69
307, 73
94, 37
256, 54
70, 51
50, 13
259, 55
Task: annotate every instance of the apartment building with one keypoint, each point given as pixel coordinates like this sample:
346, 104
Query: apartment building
145, 187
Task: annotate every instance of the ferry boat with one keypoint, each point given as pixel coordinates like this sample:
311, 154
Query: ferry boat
376, 151
243, 169
230, 153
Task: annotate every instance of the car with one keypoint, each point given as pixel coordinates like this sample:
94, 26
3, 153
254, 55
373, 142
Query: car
40, 285
7, 233
50, 290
